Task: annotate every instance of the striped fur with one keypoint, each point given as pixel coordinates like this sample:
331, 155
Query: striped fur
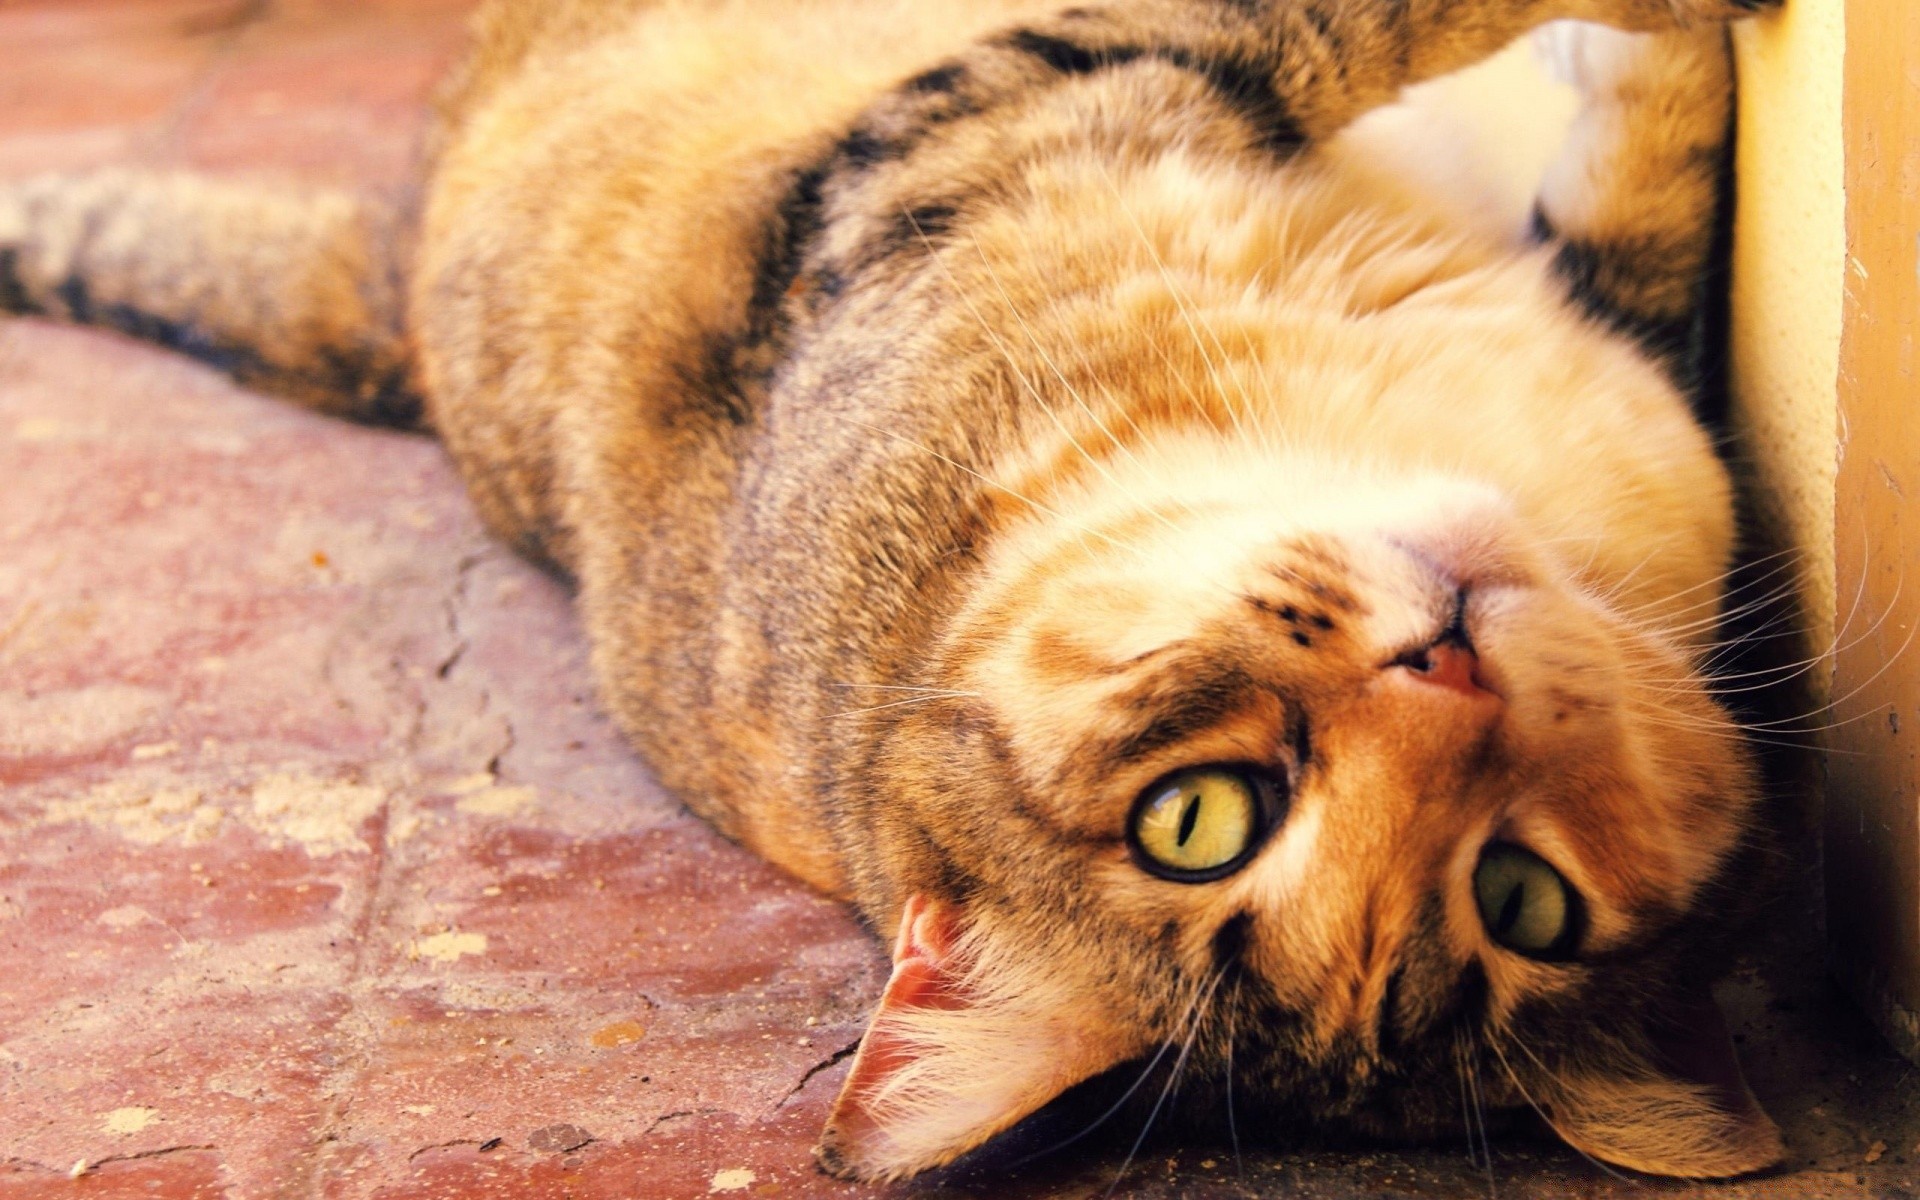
292, 290
958, 414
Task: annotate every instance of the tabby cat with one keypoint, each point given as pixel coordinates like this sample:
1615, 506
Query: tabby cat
1199, 607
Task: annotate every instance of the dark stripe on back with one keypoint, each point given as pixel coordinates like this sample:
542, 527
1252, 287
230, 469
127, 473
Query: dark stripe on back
912, 234
1069, 57
942, 79
796, 225
1249, 91
1328, 35
863, 148
735, 362
929, 221
1244, 86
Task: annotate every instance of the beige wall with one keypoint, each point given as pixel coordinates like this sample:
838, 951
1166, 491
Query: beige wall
1789, 269
1872, 821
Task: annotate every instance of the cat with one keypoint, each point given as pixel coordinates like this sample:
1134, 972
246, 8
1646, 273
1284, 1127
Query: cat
1205, 611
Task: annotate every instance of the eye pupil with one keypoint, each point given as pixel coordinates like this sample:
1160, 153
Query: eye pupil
1201, 824
1510, 911
1189, 819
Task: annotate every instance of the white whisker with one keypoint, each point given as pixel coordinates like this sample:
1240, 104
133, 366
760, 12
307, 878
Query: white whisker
859, 712
1192, 1021
1535, 1104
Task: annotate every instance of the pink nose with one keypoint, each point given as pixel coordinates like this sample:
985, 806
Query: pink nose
1448, 665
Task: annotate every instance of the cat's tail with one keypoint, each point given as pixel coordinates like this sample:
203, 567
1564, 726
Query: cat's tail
296, 291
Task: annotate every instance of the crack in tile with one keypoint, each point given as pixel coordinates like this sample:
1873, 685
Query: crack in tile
560, 1139
226, 31
838, 1056
335, 1091
679, 1114
474, 1142
356, 1042
453, 605
508, 740
159, 1153
86, 1166
450, 661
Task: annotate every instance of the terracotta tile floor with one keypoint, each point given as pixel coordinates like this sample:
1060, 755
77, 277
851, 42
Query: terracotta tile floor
319, 873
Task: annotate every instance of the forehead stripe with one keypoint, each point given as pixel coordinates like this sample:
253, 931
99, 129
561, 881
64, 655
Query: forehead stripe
1176, 710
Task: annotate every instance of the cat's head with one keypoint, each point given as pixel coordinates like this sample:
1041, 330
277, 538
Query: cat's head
1345, 790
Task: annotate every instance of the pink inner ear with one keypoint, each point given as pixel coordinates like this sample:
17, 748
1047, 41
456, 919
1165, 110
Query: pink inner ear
952, 1057
922, 979
928, 930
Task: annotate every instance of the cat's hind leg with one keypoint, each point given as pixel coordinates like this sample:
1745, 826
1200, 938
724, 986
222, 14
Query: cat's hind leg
1633, 206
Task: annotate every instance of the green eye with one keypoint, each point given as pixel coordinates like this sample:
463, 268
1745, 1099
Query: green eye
1196, 825
1524, 903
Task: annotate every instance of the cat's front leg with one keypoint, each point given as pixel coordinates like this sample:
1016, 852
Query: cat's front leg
1310, 67
1632, 204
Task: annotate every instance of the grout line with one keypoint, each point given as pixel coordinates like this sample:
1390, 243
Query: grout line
334, 1092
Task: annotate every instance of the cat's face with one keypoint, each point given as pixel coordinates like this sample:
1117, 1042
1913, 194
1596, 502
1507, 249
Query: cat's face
1349, 791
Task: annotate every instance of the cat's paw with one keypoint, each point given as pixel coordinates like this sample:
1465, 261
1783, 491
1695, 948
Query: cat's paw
1649, 70
1568, 49
1714, 12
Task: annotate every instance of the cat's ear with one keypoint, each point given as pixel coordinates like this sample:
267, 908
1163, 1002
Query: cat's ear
1681, 1107
960, 1049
